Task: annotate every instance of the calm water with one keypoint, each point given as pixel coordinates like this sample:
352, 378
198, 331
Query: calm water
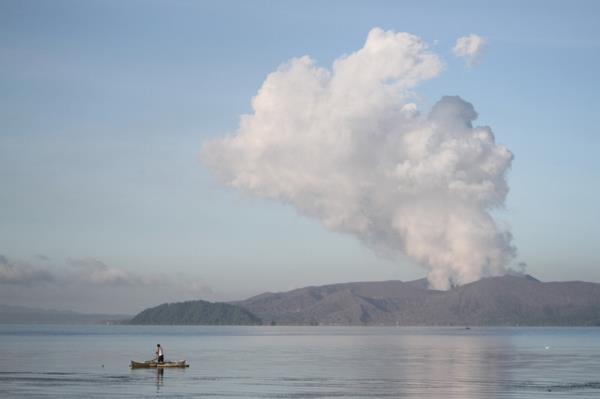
301, 362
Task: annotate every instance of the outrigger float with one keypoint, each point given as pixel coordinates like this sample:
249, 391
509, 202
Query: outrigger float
153, 364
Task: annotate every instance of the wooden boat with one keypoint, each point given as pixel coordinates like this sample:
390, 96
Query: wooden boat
153, 364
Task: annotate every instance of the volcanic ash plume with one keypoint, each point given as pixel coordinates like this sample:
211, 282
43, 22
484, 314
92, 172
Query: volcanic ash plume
348, 147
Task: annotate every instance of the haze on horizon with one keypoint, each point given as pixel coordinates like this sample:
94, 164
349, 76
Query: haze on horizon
105, 205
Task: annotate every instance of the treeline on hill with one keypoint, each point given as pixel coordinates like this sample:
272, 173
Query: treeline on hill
196, 313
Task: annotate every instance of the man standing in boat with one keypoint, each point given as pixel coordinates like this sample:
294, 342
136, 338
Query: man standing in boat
160, 356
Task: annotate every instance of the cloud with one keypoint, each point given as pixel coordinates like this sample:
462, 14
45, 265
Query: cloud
88, 284
93, 271
86, 271
349, 147
19, 272
471, 48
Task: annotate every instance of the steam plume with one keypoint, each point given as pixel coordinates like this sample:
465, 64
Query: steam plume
348, 147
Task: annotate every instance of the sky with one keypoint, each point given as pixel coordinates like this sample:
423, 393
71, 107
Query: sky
108, 204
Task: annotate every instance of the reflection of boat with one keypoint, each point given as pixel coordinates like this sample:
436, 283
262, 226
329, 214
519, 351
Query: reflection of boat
160, 372
153, 364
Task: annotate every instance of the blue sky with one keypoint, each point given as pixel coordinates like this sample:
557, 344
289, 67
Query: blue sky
105, 106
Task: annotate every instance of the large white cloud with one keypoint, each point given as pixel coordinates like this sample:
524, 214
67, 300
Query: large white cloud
349, 147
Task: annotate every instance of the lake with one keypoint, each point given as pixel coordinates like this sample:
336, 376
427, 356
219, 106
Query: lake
300, 362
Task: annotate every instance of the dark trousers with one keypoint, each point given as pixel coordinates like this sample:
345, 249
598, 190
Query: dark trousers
161, 358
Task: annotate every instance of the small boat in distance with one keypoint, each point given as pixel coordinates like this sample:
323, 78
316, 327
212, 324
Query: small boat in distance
153, 364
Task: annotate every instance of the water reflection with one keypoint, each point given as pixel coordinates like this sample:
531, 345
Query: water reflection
418, 366
160, 372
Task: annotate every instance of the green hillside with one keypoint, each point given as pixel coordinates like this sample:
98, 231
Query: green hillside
196, 313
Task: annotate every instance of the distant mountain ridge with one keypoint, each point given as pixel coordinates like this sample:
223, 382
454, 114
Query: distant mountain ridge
26, 315
499, 301
494, 301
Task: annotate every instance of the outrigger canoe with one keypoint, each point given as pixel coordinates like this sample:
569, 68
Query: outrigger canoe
153, 364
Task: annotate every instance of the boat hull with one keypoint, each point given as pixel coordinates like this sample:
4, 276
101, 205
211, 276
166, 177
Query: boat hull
152, 364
